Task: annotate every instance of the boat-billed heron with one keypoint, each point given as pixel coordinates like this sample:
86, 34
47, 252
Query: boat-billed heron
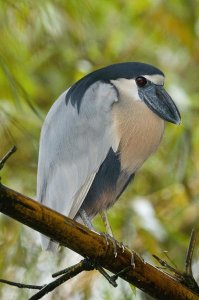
97, 135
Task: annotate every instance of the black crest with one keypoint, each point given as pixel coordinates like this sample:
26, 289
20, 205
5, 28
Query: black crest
126, 70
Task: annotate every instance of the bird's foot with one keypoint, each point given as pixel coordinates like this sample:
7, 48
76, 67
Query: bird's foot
117, 244
114, 242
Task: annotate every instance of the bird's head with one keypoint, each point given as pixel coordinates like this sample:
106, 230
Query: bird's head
146, 84
151, 91
143, 82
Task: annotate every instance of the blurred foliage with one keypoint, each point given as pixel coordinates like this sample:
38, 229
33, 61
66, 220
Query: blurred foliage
48, 45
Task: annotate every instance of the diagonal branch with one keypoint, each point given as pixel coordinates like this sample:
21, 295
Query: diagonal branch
22, 285
75, 270
189, 257
7, 156
90, 244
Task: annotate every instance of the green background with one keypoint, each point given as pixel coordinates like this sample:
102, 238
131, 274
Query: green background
45, 46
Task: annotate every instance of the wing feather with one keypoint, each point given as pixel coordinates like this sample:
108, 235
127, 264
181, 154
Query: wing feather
80, 196
73, 145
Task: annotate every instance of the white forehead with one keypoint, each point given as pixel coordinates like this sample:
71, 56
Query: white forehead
156, 78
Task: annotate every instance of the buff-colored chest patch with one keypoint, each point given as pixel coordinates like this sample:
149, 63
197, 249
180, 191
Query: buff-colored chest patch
138, 132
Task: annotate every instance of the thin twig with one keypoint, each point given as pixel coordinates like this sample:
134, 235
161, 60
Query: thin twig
171, 261
110, 279
88, 265
167, 266
75, 270
115, 277
64, 271
186, 277
84, 263
22, 285
6, 156
189, 256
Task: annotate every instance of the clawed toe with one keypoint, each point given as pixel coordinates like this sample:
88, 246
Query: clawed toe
115, 243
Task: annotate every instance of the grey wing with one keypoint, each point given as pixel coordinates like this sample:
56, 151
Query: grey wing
73, 145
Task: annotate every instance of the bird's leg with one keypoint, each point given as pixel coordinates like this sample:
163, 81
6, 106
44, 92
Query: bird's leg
109, 235
109, 232
105, 220
85, 218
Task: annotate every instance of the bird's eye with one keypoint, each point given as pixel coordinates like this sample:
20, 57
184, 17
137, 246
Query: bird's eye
141, 81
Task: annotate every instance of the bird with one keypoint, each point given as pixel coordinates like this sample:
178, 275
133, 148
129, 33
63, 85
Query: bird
97, 135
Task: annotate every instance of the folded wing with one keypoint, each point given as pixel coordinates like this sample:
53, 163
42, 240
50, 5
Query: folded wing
73, 144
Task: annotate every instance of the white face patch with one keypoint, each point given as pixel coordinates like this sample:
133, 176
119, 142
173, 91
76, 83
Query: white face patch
156, 79
127, 87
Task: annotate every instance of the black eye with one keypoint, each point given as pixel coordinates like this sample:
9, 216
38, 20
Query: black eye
141, 81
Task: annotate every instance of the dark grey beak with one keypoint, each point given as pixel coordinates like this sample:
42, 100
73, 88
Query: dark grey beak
159, 101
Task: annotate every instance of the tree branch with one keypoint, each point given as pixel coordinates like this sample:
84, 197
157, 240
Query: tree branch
7, 156
77, 237
22, 285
